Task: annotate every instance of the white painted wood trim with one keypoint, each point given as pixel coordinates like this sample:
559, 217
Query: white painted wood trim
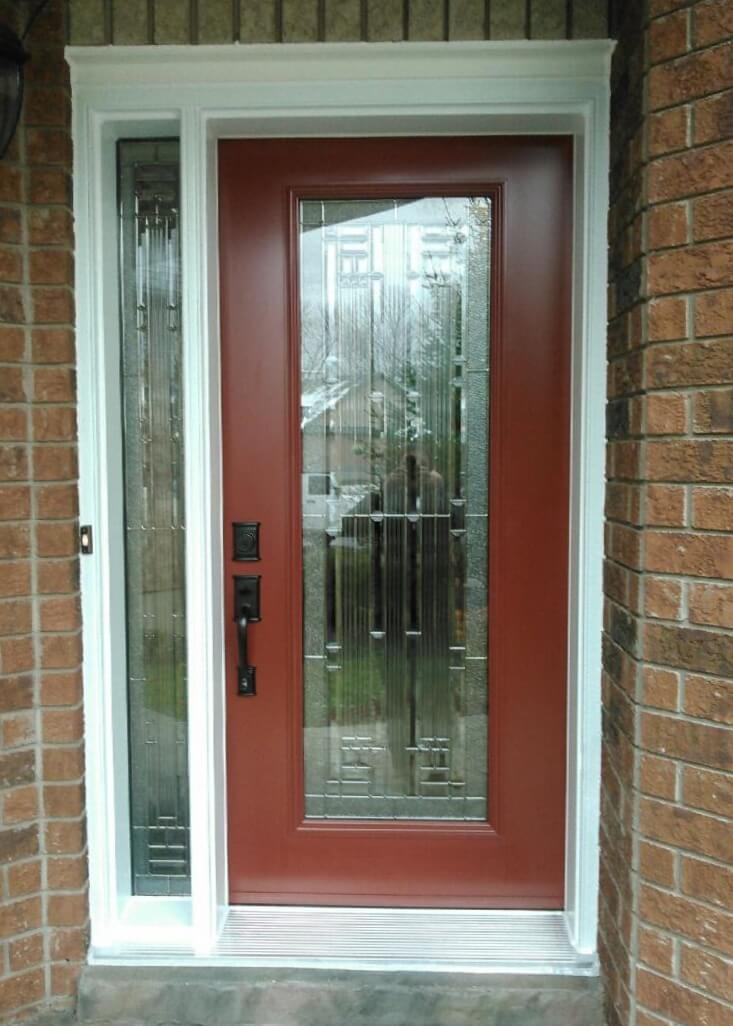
588, 430
211, 65
205, 93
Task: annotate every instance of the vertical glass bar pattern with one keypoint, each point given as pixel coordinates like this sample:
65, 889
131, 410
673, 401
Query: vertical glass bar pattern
150, 300
394, 302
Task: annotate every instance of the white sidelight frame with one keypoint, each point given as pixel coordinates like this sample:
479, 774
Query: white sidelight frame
202, 94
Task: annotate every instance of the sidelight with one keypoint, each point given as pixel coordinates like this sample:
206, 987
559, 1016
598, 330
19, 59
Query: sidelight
154, 515
394, 356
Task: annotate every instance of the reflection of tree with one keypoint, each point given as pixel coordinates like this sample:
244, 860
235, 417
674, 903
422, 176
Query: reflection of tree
396, 340
393, 340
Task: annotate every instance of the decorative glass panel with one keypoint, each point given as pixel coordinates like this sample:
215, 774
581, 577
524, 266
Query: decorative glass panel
394, 302
154, 515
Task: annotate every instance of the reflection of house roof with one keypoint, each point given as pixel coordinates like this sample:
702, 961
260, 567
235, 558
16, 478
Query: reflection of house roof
313, 404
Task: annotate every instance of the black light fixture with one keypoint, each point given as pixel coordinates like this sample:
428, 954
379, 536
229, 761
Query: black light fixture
12, 59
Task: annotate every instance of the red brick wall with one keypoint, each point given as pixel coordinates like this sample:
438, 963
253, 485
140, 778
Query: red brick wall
42, 861
667, 838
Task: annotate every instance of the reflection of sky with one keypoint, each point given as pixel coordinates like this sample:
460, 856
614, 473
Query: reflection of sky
393, 249
395, 325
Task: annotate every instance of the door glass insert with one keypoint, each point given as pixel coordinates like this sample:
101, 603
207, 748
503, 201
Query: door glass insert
151, 354
394, 312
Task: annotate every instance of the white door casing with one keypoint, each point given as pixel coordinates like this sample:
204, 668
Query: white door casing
202, 94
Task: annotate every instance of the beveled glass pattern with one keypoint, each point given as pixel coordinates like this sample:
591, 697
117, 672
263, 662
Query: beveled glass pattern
154, 515
394, 302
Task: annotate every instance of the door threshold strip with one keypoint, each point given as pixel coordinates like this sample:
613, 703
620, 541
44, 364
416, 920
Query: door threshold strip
377, 939
405, 940
431, 939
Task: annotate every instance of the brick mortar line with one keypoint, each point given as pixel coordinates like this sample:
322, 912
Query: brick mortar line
670, 848
671, 804
669, 667
686, 5
668, 482
652, 204
653, 344
668, 156
693, 50
668, 529
683, 940
686, 102
690, 392
692, 987
693, 899
685, 717
52, 404
689, 244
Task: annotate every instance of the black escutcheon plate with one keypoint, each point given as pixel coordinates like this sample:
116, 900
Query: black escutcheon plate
246, 541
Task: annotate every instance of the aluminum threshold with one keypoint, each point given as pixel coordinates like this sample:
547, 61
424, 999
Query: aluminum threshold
400, 940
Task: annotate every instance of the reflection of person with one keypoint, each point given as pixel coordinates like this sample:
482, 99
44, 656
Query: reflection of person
417, 614
415, 487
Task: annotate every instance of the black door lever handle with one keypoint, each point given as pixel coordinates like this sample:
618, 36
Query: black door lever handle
245, 672
246, 612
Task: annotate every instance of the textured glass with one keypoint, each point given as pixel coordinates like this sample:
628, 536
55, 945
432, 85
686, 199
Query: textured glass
154, 515
394, 301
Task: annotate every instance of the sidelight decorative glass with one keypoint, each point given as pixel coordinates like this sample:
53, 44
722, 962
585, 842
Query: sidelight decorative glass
154, 514
394, 305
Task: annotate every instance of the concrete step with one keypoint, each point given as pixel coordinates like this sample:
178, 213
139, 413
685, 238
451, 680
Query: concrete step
311, 997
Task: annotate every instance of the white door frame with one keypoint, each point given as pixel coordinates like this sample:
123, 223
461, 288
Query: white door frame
201, 94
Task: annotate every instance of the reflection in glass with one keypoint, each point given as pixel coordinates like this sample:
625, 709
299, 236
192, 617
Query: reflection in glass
394, 300
154, 515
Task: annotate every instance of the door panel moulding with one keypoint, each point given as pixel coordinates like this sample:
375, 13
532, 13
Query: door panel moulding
202, 94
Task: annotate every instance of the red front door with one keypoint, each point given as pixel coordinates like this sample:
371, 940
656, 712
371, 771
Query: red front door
395, 368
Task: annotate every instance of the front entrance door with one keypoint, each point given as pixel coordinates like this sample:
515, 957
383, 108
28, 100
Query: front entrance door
395, 368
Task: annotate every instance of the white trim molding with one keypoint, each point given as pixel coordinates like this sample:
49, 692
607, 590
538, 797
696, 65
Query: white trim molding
202, 94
